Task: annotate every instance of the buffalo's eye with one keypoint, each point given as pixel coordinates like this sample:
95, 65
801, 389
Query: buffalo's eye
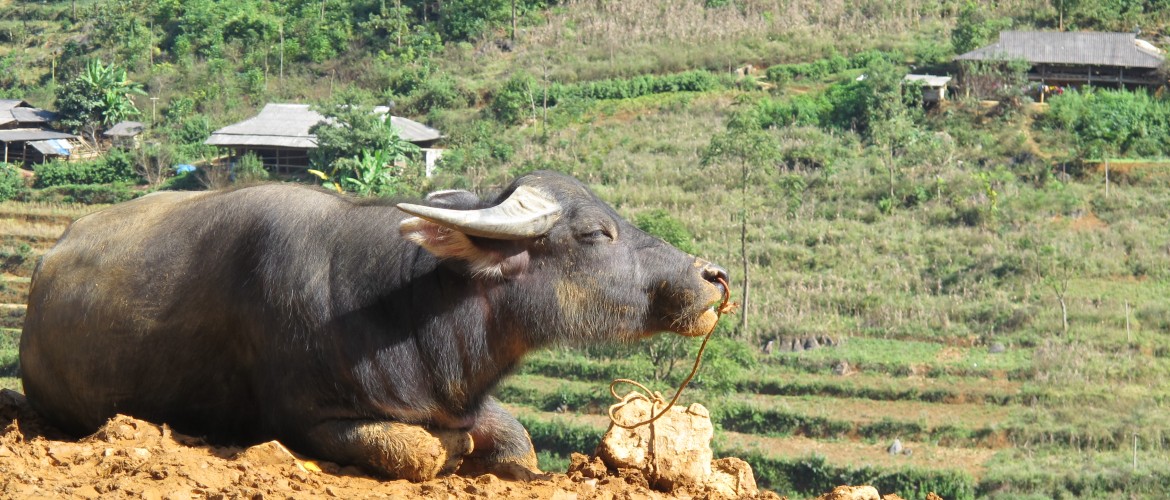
596, 235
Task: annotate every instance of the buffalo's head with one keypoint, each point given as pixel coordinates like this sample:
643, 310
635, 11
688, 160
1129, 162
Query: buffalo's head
558, 264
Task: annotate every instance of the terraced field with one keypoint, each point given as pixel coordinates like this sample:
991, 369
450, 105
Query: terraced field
27, 230
979, 432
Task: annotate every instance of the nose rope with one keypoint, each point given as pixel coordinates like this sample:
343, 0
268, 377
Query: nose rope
726, 307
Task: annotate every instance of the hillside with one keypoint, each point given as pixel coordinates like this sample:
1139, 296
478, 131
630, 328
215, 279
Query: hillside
1001, 299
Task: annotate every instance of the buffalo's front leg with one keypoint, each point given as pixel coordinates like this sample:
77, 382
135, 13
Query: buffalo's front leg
502, 446
391, 449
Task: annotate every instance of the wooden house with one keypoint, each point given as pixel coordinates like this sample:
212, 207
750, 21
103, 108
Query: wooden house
124, 134
279, 135
25, 135
934, 88
1073, 59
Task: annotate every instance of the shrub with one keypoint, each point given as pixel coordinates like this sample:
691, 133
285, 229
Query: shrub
12, 184
513, 101
88, 194
116, 166
659, 223
249, 168
1112, 122
440, 92
186, 181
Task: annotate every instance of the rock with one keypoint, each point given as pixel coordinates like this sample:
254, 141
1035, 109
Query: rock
852, 493
841, 368
270, 453
997, 348
895, 447
732, 478
811, 343
680, 440
588, 468
672, 453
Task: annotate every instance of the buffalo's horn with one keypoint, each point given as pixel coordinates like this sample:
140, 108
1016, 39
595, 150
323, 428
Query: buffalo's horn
527, 213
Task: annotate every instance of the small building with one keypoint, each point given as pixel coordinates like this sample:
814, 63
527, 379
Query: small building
1073, 59
124, 134
934, 88
25, 135
16, 113
279, 136
34, 145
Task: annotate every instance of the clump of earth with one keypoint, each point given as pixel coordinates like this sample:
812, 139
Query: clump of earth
133, 458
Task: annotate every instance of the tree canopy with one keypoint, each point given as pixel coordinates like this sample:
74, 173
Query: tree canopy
96, 99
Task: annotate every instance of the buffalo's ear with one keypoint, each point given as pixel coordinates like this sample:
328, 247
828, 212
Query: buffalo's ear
494, 259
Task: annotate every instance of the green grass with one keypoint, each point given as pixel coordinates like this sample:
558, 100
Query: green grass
9, 352
11, 383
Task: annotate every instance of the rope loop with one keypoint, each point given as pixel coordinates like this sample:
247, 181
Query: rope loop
655, 399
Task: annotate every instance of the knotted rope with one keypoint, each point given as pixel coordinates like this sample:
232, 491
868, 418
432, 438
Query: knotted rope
726, 307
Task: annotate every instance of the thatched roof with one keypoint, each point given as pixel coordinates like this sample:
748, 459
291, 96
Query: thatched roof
1074, 48
20, 112
287, 126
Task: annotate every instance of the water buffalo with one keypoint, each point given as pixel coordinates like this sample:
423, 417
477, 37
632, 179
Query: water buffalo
338, 325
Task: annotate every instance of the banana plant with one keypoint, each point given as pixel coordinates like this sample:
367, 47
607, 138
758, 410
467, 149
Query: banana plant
370, 173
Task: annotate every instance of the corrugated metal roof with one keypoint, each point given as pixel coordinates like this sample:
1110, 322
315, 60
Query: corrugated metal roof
7, 104
32, 134
1081, 47
33, 115
16, 110
929, 80
287, 125
125, 129
59, 147
275, 141
414, 131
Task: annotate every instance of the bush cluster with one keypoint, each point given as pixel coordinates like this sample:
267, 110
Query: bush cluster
87, 194
1112, 122
522, 91
12, 184
117, 166
835, 63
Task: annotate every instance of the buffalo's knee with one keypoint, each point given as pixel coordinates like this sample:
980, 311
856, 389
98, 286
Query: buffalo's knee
502, 446
392, 449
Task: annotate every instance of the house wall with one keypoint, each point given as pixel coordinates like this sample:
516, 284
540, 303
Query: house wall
280, 160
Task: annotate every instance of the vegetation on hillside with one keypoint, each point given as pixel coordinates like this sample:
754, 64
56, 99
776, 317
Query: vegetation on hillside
841, 207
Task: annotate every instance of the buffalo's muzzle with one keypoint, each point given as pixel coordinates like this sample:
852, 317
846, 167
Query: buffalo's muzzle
716, 276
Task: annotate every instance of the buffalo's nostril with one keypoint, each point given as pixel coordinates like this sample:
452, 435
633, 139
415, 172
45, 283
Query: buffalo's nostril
714, 273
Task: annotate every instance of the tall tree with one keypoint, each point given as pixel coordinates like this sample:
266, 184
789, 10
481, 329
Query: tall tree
97, 98
889, 124
746, 143
975, 27
361, 151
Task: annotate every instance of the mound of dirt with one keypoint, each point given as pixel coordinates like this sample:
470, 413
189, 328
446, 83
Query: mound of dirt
132, 458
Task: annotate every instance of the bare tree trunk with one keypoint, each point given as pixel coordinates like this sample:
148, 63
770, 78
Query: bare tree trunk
1060, 26
743, 254
1064, 314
